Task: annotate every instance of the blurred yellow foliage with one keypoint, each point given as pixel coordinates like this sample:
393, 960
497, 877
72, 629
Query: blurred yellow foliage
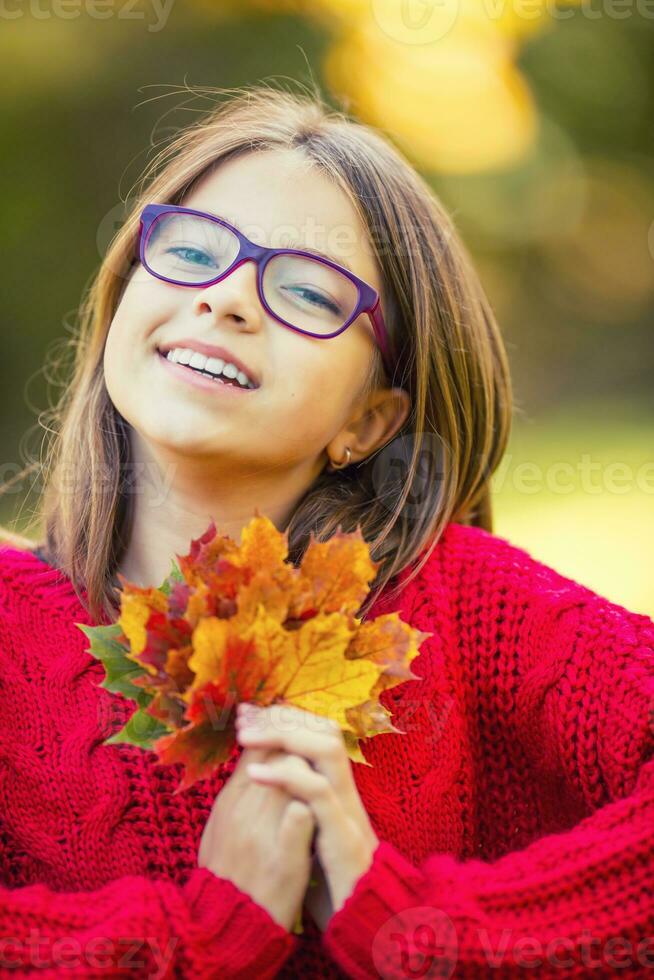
440, 77
460, 109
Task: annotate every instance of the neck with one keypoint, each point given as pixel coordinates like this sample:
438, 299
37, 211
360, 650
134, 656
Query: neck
175, 498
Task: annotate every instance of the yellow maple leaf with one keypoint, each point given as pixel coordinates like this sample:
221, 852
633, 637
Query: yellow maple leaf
316, 675
136, 608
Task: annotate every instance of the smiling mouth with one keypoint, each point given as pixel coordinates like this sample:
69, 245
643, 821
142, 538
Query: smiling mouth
217, 379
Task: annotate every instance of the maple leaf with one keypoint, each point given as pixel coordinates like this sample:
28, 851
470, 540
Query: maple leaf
200, 747
338, 571
316, 676
120, 672
239, 622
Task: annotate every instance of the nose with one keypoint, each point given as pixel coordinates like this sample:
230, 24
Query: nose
235, 296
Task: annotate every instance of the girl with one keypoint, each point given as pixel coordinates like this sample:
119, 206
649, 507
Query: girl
509, 824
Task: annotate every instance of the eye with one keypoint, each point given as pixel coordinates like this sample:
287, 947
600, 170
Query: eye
311, 296
193, 255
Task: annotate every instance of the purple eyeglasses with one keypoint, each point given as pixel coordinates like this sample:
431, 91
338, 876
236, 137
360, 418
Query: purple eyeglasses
301, 289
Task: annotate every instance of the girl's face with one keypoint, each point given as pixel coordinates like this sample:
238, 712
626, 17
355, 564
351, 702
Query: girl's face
309, 388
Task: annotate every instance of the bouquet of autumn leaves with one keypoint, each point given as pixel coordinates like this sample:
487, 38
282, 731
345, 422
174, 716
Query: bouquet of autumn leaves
234, 623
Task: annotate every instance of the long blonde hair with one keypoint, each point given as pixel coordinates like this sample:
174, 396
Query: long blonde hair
445, 339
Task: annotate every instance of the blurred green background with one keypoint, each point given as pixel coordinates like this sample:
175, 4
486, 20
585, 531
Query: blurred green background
532, 121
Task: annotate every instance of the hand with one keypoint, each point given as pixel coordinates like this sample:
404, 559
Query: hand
346, 840
259, 838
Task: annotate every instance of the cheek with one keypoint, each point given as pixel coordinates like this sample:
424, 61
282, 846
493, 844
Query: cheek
121, 356
129, 345
115, 359
307, 407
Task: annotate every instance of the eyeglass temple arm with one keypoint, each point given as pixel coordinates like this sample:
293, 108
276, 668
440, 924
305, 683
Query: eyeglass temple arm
381, 333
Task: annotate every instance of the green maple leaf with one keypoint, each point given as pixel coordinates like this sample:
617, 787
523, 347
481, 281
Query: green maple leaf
141, 729
119, 670
174, 575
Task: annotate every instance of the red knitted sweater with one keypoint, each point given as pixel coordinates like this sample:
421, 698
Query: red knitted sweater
515, 814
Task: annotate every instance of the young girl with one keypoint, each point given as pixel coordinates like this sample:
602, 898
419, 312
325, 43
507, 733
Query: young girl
509, 825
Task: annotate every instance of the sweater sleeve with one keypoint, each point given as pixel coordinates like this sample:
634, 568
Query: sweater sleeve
138, 926
579, 902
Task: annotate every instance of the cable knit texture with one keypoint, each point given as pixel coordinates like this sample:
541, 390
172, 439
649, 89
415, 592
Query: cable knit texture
515, 813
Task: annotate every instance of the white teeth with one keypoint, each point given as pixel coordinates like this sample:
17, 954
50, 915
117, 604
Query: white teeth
197, 361
213, 365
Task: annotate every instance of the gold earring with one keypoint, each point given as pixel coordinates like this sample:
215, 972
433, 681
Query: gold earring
339, 466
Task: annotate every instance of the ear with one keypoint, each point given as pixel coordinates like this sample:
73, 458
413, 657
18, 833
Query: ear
373, 424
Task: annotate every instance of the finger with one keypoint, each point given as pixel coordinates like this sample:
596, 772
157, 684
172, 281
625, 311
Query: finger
284, 717
324, 749
296, 829
239, 779
299, 780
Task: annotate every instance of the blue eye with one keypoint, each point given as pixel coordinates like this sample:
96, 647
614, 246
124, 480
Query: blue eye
319, 300
194, 255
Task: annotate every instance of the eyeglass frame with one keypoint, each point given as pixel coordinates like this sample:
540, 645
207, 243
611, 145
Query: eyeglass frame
368, 300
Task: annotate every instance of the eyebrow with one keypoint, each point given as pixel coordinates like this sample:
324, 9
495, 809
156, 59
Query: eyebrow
322, 255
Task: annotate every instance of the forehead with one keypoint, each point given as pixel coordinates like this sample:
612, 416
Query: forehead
280, 199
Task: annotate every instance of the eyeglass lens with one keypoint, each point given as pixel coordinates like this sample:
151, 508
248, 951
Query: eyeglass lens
303, 291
